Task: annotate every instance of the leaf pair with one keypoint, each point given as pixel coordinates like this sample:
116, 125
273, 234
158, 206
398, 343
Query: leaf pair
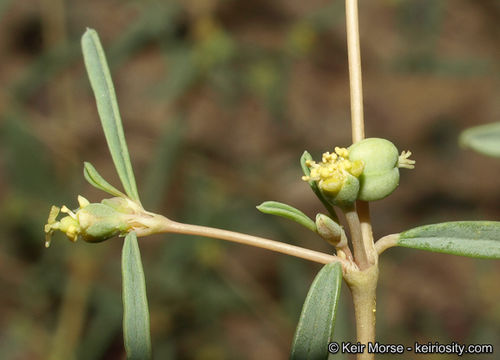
136, 329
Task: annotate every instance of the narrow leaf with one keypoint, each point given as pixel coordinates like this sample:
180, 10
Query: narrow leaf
306, 156
135, 304
484, 139
95, 179
107, 106
317, 320
479, 239
287, 211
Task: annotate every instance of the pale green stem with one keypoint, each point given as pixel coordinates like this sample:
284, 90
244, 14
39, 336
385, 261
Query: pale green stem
168, 226
363, 209
360, 253
355, 80
362, 288
386, 242
347, 251
363, 285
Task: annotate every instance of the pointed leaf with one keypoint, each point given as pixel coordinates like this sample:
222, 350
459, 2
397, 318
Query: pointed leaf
315, 329
107, 106
484, 139
135, 304
287, 211
479, 239
96, 180
306, 156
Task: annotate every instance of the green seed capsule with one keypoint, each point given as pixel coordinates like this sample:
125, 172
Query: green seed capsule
380, 175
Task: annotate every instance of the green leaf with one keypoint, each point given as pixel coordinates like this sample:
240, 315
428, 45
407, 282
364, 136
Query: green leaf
484, 139
317, 320
135, 304
97, 181
306, 156
287, 211
107, 106
479, 239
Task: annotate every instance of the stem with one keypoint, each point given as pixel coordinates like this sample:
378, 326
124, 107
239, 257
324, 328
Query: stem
169, 226
360, 251
355, 81
347, 251
386, 242
363, 285
363, 209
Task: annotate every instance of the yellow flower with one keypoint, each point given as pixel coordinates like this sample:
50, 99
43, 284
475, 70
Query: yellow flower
336, 176
96, 222
333, 171
92, 222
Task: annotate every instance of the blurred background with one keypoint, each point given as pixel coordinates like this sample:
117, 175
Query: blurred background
219, 99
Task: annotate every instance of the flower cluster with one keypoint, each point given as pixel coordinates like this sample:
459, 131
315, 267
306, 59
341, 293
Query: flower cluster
96, 222
91, 222
368, 170
336, 176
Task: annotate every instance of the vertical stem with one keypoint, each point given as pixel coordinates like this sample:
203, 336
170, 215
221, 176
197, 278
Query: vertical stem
363, 285
360, 251
355, 80
363, 208
357, 121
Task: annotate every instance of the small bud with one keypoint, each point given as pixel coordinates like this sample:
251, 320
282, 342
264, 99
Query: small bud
381, 159
330, 231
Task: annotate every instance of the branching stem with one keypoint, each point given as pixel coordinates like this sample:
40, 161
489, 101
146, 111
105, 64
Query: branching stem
169, 226
386, 242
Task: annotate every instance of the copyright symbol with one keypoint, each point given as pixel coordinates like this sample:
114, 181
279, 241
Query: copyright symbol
333, 347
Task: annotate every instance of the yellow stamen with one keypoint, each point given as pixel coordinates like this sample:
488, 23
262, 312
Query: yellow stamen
405, 162
82, 201
357, 168
333, 170
65, 210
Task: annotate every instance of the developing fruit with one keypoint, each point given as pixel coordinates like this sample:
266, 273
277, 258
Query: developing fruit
380, 176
